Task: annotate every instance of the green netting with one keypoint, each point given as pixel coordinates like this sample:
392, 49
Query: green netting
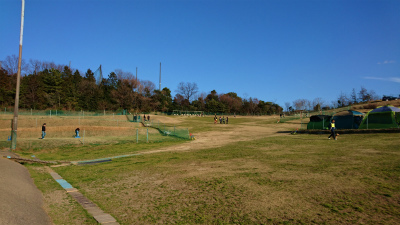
55, 112
168, 130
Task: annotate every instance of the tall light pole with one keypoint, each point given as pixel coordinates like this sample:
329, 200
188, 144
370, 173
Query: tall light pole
15, 120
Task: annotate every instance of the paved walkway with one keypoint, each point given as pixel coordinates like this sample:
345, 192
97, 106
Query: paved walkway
20, 200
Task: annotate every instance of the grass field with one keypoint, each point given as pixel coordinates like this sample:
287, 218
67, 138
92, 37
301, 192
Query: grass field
95, 131
249, 171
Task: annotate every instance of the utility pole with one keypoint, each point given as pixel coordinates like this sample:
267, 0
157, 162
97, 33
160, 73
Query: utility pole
136, 81
15, 120
160, 78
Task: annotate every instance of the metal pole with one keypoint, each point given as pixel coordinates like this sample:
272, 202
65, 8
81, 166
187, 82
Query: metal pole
136, 81
15, 120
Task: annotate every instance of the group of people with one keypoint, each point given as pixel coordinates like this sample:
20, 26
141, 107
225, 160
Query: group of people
144, 118
44, 131
221, 120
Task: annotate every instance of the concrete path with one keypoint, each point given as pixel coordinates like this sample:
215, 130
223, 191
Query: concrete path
20, 200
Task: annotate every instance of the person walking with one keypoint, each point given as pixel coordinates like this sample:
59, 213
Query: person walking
332, 127
43, 130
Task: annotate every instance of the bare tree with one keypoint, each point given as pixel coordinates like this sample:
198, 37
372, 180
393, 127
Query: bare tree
146, 87
317, 104
10, 64
287, 105
124, 75
354, 96
343, 100
187, 90
300, 104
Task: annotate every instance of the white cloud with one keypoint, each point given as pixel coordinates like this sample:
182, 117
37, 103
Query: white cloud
387, 62
390, 79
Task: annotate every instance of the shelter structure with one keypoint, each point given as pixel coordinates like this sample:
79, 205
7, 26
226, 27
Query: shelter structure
382, 118
348, 119
319, 122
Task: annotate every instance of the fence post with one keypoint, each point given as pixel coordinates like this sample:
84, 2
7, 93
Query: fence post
137, 135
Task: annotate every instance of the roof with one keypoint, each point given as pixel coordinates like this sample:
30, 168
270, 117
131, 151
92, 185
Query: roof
318, 118
349, 113
385, 109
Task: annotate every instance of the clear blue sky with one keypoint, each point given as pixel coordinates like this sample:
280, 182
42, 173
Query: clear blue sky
271, 50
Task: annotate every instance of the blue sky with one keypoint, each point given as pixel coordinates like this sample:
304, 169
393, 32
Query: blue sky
276, 51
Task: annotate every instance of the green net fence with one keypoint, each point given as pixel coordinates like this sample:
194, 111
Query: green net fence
167, 130
55, 112
60, 131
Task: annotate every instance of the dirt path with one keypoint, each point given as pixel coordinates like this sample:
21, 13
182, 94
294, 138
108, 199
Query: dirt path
214, 139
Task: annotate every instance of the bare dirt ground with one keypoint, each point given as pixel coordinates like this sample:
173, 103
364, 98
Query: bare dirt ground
236, 133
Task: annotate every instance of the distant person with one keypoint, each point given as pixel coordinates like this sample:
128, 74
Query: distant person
220, 120
332, 128
226, 120
215, 120
148, 117
223, 119
144, 117
77, 132
43, 130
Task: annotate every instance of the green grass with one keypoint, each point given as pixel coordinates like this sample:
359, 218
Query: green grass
96, 151
293, 179
61, 207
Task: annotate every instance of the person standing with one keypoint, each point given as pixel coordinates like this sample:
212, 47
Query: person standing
226, 120
77, 132
332, 127
43, 130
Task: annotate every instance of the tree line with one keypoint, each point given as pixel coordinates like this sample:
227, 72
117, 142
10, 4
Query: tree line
46, 85
343, 100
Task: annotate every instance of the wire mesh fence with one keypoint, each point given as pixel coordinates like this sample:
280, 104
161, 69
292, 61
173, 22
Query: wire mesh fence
60, 131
